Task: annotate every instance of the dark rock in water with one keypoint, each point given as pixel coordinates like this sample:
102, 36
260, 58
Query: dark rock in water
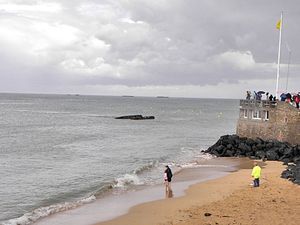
136, 117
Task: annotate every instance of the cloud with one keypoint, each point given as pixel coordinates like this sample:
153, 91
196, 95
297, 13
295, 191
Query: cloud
140, 43
235, 59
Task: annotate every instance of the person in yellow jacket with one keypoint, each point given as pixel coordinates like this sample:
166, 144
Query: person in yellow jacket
256, 172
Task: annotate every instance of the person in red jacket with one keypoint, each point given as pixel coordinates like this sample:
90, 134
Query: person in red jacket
297, 100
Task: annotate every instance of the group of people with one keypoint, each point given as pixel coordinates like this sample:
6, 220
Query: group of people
259, 95
293, 98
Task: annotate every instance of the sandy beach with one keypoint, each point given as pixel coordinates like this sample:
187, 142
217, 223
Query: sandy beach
228, 200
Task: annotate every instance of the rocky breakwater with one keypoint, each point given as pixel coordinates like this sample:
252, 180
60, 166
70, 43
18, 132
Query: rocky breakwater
235, 146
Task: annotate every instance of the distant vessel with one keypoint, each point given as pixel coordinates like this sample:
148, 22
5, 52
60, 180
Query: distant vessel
162, 97
127, 96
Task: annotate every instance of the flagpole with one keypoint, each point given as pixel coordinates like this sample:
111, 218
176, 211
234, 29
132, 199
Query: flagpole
278, 62
288, 71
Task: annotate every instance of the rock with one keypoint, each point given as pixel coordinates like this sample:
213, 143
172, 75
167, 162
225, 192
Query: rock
214, 152
260, 154
272, 155
136, 117
292, 173
297, 173
229, 146
229, 153
288, 152
259, 140
285, 161
248, 154
219, 149
244, 148
260, 146
296, 159
250, 142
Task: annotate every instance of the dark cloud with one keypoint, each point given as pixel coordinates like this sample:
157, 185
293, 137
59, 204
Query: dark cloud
142, 42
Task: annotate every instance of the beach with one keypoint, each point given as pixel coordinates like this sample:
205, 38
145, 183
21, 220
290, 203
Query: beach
227, 200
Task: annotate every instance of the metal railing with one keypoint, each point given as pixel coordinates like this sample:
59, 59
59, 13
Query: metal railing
258, 103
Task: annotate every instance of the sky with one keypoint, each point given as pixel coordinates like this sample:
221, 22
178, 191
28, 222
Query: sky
176, 48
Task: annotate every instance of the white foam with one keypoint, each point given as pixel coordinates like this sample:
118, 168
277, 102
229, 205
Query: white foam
127, 179
196, 165
42, 212
205, 156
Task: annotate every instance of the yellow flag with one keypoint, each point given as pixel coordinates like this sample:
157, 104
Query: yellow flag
278, 25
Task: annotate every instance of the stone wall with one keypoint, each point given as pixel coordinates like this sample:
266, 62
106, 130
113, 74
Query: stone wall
283, 124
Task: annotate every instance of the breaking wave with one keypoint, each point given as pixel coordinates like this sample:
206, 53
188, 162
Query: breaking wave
42, 212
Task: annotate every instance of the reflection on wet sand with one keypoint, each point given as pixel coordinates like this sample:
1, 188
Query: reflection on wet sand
169, 193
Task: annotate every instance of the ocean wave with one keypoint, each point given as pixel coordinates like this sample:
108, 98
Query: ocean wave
105, 188
127, 180
31, 217
146, 167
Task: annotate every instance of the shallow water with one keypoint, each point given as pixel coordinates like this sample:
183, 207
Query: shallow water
64, 148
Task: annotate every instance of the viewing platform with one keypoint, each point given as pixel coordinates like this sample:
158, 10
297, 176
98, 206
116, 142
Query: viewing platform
269, 120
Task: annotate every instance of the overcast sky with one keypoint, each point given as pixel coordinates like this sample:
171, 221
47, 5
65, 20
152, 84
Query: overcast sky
187, 48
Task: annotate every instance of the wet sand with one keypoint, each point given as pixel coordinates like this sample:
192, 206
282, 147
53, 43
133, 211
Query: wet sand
229, 200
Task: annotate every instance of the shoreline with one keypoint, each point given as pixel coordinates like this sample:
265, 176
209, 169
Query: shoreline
114, 205
228, 199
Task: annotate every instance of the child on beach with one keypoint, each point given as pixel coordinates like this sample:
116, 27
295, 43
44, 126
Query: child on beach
256, 172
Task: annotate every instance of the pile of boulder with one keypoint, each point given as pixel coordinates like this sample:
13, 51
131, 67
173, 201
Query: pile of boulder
292, 173
235, 146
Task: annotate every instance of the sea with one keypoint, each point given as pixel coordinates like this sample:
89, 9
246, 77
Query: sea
61, 152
